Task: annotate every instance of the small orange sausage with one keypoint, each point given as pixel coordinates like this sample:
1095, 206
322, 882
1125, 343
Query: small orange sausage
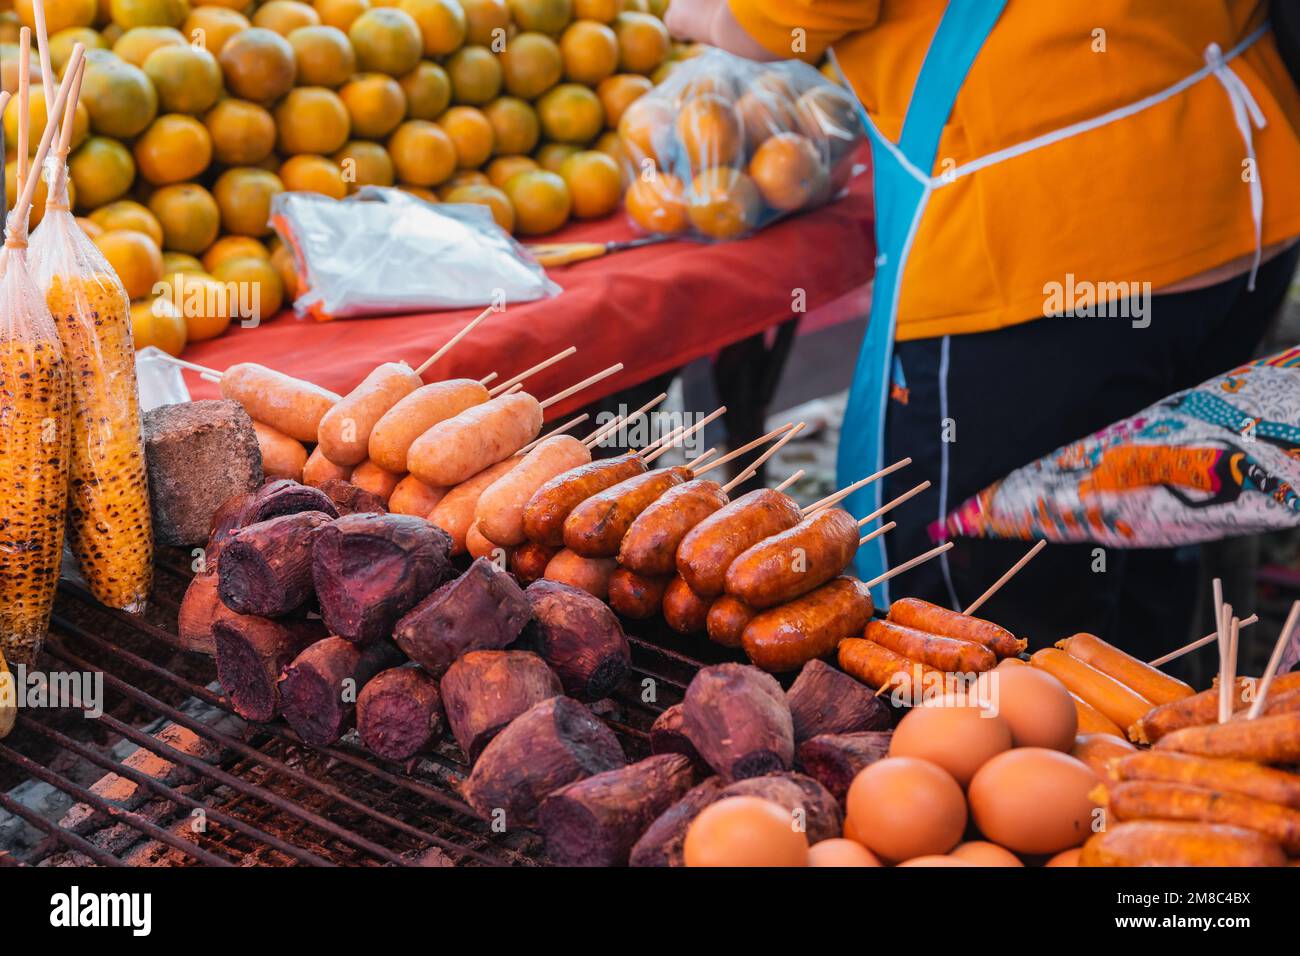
637, 596
1099, 750
370, 477
528, 561
1155, 685
282, 456
879, 667
457, 449
411, 496
288, 404
924, 616
320, 469
500, 510
709, 548
1108, 695
588, 574
794, 561
727, 620
785, 638
941, 653
390, 440
684, 610
595, 528
480, 547
1093, 721
344, 431
1179, 843
454, 514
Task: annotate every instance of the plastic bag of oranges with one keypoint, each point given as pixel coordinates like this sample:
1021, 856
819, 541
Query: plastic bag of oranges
725, 146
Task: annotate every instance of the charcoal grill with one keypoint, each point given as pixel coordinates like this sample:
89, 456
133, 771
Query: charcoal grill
255, 794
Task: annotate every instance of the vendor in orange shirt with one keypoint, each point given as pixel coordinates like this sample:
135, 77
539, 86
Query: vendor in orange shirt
1081, 208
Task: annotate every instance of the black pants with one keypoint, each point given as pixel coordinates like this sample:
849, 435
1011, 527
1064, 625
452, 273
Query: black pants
1005, 398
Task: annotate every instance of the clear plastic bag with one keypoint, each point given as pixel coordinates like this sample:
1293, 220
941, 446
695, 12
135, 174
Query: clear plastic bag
725, 146
384, 251
109, 526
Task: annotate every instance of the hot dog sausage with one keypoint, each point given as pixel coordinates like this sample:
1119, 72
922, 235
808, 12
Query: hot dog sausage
684, 610
528, 561
320, 469
638, 596
727, 620
289, 404
879, 667
551, 504
391, 438
924, 616
344, 431
1179, 843
595, 528
942, 653
794, 561
587, 574
1155, 685
411, 496
378, 481
650, 545
787, 637
1108, 695
709, 548
459, 448
282, 456
500, 510
480, 547
454, 514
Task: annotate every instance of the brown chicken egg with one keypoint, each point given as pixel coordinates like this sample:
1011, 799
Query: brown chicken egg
902, 807
1068, 857
936, 859
954, 732
745, 831
983, 853
1098, 750
1036, 706
1033, 800
840, 852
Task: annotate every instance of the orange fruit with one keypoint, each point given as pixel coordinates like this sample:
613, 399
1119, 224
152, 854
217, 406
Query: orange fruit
709, 132
36, 120
282, 259
61, 44
514, 126
188, 215
475, 75
135, 45
827, 113
212, 27
244, 197
543, 16
126, 214
233, 247
462, 177
489, 196
470, 133
188, 80
788, 171
657, 204
243, 133
442, 24
179, 262
387, 40
723, 203
173, 148
763, 114
551, 156
602, 10
634, 6
135, 258
642, 42
594, 182
157, 322
258, 65
258, 282
119, 97
428, 91
375, 104
502, 168
102, 170
9, 66
340, 14
38, 197
531, 64
423, 153
609, 144
149, 13
420, 192
285, 16
540, 200
590, 52
619, 92
323, 56
59, 15
311, 119
571, 114
205, 303
306, 173
486, 21
365, 164
646, 130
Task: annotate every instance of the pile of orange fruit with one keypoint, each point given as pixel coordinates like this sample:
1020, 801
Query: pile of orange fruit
192, 119
725, 146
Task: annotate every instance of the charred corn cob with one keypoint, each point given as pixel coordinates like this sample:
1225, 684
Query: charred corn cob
34, 441
109, 527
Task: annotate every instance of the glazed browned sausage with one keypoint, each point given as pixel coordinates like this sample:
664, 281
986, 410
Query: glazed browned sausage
550, 505
793, 562
727, 620
528, 561
787, 637
924, 616
595, 528
684, 610
637, 596
650, 545
709, 548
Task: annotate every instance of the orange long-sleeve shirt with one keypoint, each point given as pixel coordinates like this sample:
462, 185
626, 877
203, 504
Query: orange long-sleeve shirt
1158, 197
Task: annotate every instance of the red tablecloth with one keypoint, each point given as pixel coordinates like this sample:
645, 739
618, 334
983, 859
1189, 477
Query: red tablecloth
653, 309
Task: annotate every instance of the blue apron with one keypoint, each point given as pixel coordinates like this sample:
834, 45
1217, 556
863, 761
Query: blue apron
900, 200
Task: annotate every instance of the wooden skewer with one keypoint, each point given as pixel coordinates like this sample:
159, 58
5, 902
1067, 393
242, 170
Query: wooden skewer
43, 54
1233, 636
908, 565
877, 533
590, 380
890, 505
683, 433
1261, 691
789, 481
1011, 573
211, 373
845, 492
571, 423
761, 440
1225, 641
469, 327
1196, 644
557, 357
70, 115
24, 106
4, 100
209, 378
490, 377
23, 205
738, 480
702, 456
596, 437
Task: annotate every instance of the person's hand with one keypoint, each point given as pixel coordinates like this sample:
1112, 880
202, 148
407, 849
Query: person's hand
711, 22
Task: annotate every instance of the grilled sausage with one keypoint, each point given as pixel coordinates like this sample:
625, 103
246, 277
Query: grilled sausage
684, 610
282, 456
637, 596
787, 637
943, 653
285, 403
587, 574
344, 431
727, 620
924, 616
595, 528
528, 561
550, 505
794, 561
411, 496
459, 448
709, 548
500, 509
454, 514
650, 545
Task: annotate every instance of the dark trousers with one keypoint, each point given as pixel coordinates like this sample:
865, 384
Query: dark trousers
1005, 398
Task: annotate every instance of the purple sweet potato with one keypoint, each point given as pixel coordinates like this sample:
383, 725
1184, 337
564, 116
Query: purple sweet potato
319, 690
738, 719
399, 712
835, 759
265, 568
824, 700
485, 690
580, 637
252, 653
